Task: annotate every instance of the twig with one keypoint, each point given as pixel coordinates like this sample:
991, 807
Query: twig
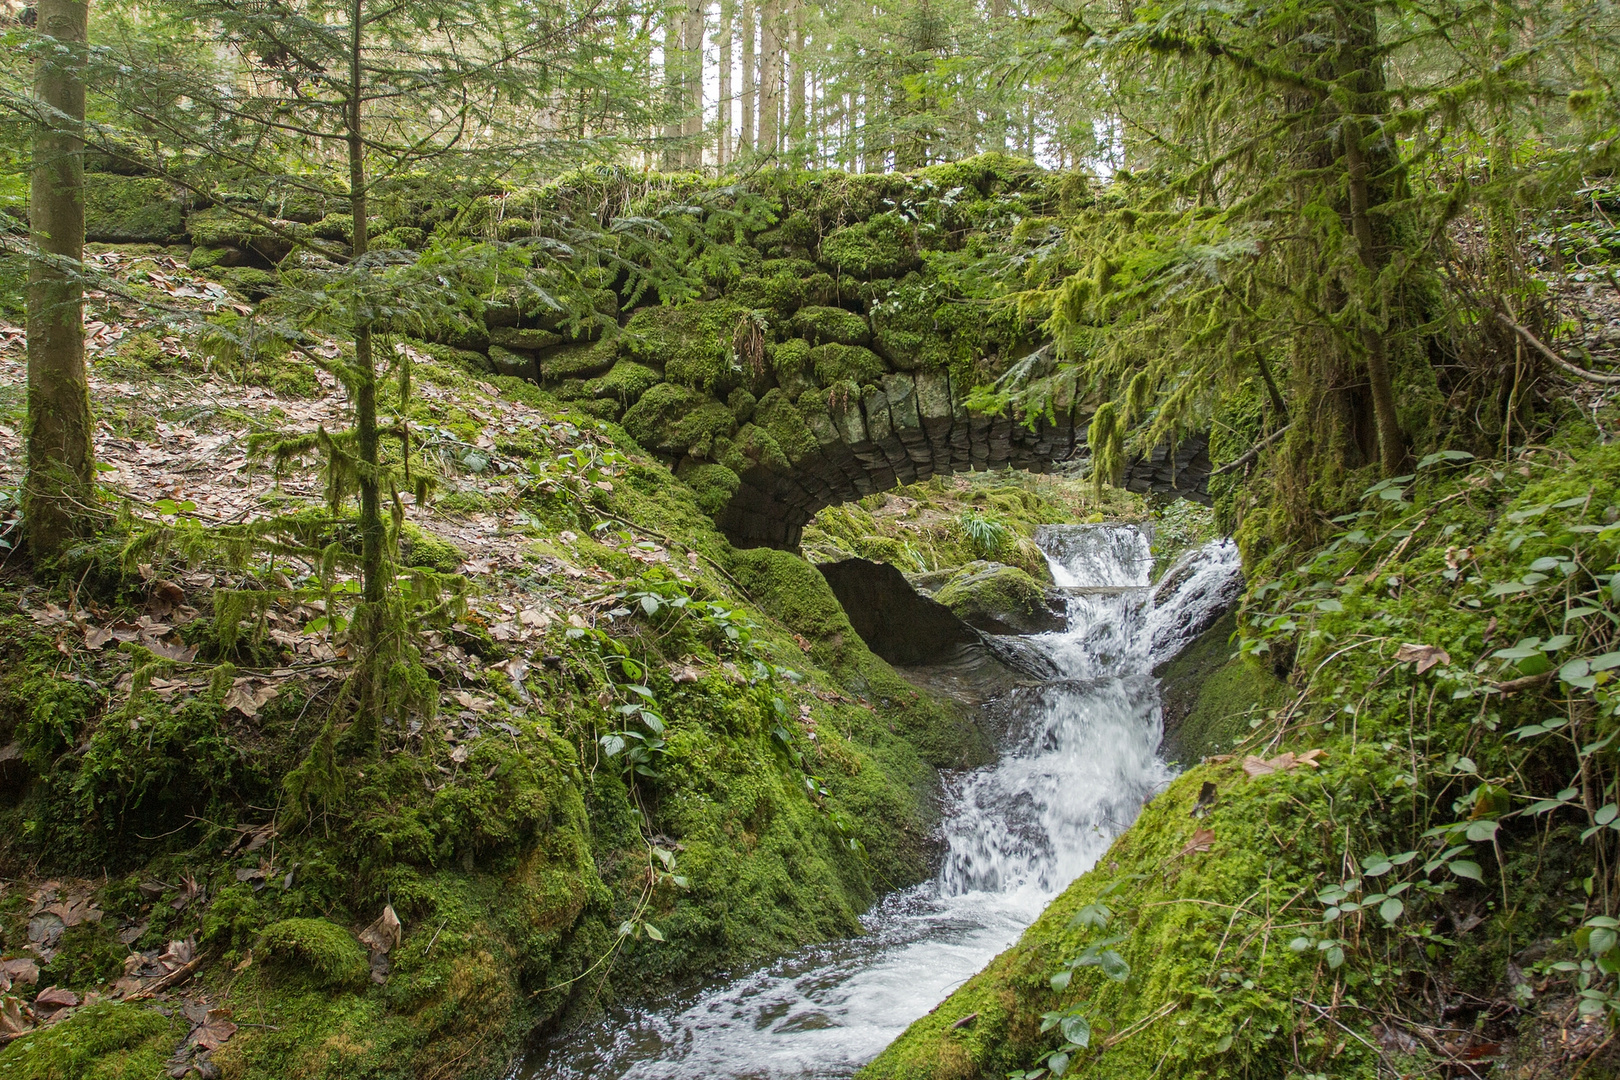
1537, 344
1250, 454
172, 979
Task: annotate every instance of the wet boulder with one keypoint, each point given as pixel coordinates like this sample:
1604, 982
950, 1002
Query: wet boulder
1001, 599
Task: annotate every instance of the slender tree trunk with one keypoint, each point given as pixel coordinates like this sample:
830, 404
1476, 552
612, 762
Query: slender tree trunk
797, 131
770, 78
728, 12
373, 534
670, 154
692, 56
59, 492
745, 145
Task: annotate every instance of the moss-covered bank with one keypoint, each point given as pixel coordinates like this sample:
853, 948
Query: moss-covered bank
537, 868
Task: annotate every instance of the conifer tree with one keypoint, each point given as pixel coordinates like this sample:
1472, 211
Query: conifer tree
59, 492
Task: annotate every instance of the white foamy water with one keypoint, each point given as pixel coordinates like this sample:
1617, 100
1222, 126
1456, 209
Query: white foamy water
1078, 759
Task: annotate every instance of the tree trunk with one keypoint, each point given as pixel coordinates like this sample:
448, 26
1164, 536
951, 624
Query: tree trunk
1361, 70
692, 70
59, 491
722, 142
797, 131
373, 533
770, 78
745, 144
670, 153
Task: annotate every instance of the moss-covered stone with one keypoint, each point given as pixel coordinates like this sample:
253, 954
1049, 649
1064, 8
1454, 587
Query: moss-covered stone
822, 325
625, 382
418, 547
691, 342
579, 361
838, 363
314, 951
250, 281
1000, 599
519, 365
104, 1041
883, 246
131, 209
532, 340
779, 416
671, 419
905, 329
714, 485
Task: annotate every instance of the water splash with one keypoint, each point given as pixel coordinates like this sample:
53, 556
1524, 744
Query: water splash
1079, 757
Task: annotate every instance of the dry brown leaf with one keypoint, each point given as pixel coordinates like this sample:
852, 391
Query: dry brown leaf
1202, 840
20, 971
215, 1030
383, 936
1255, 766
54, 997
12, 1021
96, 636
248, 695
1426, 656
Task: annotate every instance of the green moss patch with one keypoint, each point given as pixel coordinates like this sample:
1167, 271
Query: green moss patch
883, 246
105, 1041
313, 950
819, 325
131, 209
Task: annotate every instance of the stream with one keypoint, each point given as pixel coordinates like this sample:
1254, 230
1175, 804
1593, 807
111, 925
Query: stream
1079, 757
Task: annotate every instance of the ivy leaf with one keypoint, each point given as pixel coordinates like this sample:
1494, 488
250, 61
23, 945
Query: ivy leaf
1465, 868
1481, 830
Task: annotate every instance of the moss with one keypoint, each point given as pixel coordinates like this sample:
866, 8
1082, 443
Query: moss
104, 1041
313, 951
713, 485
579, 361
131, 209
997, 599
883, 246
779, 416
671, 419
219, 227
691, 342
835, 363
88, 957
625, 382
1210, 695
249, 281
818, 325
534, 340
906, 331
401, 237
419, 547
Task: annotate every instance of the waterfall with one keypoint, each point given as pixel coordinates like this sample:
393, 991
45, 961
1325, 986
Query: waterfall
1078, 760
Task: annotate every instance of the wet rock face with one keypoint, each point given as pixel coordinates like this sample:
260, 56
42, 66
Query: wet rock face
1001, 599
895, 621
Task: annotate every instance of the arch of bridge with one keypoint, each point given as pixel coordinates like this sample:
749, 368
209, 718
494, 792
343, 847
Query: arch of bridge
913, 426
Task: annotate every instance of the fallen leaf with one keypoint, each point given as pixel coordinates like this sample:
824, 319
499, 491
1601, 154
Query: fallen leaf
1426, 656
21, 971
248, 695
165, 597
96, 636
383, 935
1202, 840
459, 754
54, 997
12, 1021
215, 1030
1255, 766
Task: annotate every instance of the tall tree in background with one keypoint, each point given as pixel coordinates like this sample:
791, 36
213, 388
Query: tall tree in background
750, 27
724, 37
59, 491
770, 78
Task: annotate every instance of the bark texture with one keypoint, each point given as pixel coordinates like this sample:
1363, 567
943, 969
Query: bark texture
59, 491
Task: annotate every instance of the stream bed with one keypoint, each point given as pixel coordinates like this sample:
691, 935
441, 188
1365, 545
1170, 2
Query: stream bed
1079, 757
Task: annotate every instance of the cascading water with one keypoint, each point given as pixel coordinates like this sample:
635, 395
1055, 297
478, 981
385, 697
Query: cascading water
1078, 761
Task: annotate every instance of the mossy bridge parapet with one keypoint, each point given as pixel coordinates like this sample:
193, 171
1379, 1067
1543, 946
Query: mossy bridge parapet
786, 343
